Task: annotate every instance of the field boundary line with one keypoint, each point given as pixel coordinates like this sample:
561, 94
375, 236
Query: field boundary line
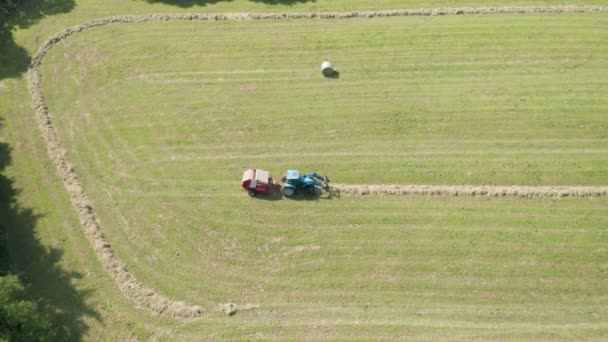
125, 280
521, 191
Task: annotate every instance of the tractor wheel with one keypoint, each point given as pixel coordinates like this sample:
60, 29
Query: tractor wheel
252, 193
288, 192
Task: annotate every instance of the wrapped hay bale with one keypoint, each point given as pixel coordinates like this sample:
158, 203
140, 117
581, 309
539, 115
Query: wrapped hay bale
327, 69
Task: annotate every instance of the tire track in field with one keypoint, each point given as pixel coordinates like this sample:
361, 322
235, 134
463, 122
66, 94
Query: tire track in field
473, 190
125, 280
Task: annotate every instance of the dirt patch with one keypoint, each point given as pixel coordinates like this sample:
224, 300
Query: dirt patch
470, 190
149, 299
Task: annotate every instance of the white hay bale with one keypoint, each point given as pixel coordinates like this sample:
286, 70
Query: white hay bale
327, 69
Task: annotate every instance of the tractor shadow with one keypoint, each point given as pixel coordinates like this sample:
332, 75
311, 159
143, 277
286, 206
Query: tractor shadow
304, 197
275, 194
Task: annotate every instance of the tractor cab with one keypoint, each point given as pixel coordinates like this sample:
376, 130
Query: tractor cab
291, 176
291, 182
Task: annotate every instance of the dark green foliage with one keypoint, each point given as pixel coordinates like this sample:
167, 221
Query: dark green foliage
14, 59
4, 258
21, 318
6, 8
40, 304
24, 13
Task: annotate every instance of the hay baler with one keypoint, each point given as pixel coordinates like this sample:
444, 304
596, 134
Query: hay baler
257, 181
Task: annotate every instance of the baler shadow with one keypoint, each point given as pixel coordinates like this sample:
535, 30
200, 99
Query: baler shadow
274, 194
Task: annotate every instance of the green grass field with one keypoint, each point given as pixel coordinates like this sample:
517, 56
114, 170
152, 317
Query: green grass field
450, 100
161, 119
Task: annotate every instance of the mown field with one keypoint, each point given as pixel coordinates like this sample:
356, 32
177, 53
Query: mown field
160, 119
454, 100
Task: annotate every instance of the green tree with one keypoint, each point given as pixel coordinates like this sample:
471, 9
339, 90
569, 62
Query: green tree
6, 7
16, 14
20, 318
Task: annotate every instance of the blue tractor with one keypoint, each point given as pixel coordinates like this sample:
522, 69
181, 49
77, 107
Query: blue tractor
311, 184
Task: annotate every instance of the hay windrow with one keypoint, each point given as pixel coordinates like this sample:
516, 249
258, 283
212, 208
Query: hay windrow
472, 190
148, 298
125, 280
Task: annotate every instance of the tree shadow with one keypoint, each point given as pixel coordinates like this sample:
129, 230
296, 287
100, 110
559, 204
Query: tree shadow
191, 3
14, 59
186, 3
283, 2
37, 265
29, 12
